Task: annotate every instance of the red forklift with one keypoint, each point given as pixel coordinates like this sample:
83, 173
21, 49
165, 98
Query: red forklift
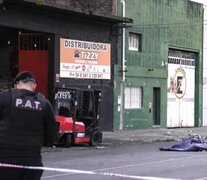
77, 116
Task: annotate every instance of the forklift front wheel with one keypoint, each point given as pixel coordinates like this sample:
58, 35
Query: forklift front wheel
96, 138
68, 140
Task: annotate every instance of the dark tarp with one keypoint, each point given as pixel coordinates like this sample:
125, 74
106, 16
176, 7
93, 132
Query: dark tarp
188, 144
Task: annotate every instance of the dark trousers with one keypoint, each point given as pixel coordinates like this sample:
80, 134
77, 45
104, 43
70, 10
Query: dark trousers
21, 174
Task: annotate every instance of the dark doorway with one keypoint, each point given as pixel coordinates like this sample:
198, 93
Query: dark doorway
8, 56
23, 51
156, 106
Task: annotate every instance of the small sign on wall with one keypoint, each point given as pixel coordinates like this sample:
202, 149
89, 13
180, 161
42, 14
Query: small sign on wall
57, 77
119, 99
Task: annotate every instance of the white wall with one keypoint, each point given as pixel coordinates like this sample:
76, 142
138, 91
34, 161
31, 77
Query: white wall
205, 69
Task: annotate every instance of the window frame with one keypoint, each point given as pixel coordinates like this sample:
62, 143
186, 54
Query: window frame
133, 99
135, 44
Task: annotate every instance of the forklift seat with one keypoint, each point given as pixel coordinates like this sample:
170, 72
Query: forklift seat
63, 111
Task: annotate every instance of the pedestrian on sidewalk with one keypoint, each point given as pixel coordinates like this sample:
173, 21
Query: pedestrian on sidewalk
26, 122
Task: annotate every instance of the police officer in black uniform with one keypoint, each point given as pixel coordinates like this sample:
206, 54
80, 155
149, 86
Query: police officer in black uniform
26, 122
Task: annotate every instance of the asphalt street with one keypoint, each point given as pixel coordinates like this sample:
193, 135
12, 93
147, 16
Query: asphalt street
130, 160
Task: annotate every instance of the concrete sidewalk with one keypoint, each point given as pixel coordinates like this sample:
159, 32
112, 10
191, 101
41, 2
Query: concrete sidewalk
142, 136
152, 135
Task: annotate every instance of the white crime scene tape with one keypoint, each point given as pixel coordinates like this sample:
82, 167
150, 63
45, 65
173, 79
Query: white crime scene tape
5, 165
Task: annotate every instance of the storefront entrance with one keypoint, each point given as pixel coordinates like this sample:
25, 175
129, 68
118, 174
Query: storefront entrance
23, 52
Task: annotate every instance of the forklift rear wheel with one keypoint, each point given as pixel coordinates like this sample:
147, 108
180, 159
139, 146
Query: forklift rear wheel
68, 140
96, 138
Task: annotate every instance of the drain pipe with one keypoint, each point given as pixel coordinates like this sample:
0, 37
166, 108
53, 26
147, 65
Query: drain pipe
122, 84
123, 43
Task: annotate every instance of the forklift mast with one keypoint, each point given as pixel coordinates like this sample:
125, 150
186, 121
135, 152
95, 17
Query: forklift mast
82, 105
78, 114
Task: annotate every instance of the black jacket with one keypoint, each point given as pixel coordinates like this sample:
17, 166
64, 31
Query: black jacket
26, 122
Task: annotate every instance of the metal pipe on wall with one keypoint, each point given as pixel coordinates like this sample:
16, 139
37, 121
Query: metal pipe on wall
122, 84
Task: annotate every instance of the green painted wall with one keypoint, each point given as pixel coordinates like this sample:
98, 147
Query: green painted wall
163, 24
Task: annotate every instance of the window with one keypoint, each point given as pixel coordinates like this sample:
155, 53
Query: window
133, 98
134, 42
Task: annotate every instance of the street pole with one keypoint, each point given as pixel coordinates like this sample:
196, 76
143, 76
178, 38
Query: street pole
122, 84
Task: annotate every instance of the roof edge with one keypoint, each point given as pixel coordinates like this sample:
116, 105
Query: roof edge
67, 10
